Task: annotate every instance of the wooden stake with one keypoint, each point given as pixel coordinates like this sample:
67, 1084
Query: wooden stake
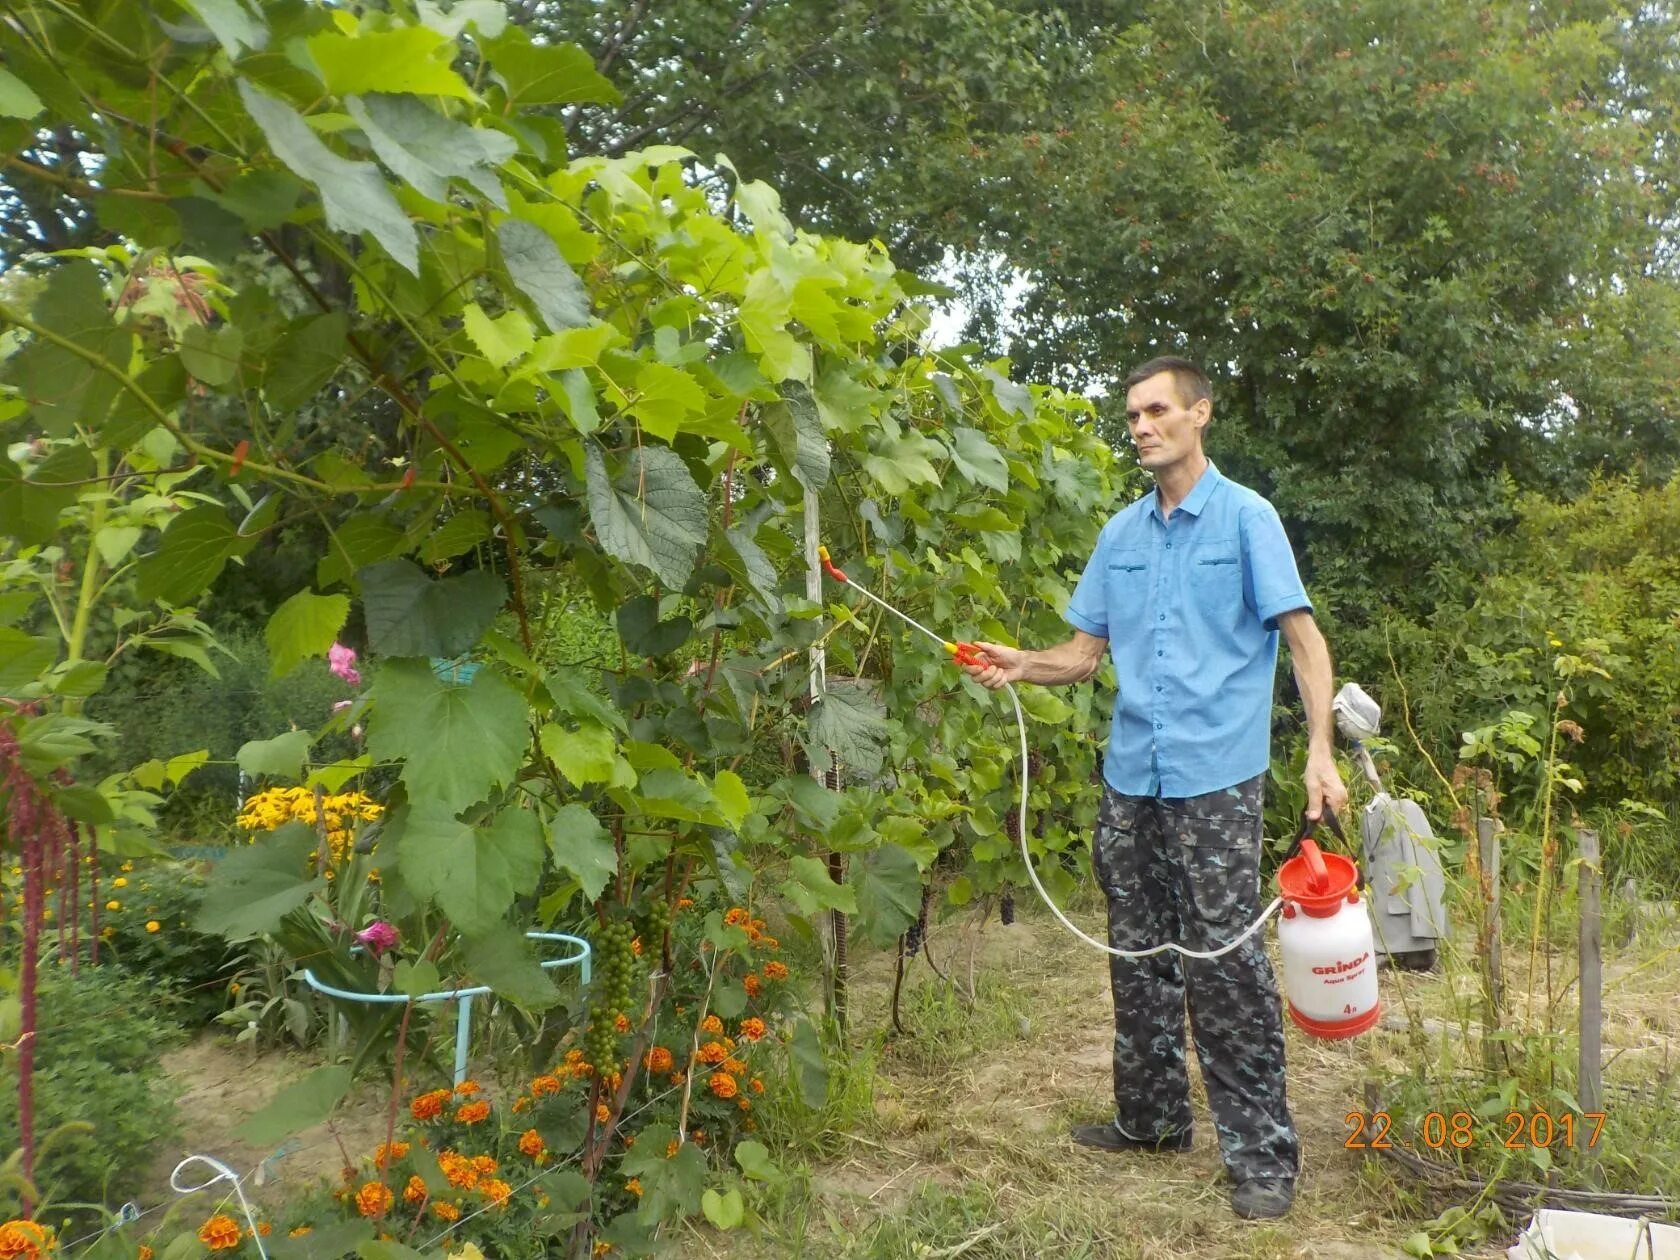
1589, 1084
1493, 984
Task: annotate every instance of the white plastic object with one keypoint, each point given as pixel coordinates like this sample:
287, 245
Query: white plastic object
1559, 1235
1329, 968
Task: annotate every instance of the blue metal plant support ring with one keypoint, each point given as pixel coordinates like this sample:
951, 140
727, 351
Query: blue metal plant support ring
463, 1018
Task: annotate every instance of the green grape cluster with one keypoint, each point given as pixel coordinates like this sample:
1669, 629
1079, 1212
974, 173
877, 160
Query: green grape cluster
614, 973
655, 921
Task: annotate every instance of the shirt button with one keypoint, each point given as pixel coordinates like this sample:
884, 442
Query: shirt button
1157, 726
1169, 546
1161, 617
1159, 652
1158, 687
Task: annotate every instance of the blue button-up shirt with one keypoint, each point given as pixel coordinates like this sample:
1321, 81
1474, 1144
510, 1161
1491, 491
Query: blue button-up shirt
1189, 606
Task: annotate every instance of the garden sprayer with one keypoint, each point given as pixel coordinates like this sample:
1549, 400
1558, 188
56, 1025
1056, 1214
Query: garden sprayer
1324, 935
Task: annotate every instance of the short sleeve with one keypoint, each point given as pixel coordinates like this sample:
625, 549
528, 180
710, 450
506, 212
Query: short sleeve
1271, 582
1088, 609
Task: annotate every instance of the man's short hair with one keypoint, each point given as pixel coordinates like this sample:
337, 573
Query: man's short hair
1192, 383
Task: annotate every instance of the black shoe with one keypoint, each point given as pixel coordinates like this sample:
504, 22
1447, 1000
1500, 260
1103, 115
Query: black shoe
1107, 1137
1263, 1198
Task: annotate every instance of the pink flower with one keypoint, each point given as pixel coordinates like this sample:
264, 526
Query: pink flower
378, 936
342, 705
342, 661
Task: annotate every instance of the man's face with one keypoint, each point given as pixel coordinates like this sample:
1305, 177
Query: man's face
1165, 431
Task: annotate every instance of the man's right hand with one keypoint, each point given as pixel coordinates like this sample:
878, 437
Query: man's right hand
1003, 665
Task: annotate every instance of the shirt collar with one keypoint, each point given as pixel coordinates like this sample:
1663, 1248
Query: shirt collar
1199, 494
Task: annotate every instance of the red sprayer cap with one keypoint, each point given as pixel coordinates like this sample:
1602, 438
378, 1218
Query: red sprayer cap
1316, 881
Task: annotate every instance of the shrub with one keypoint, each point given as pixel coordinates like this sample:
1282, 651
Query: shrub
145, 920
97, 1072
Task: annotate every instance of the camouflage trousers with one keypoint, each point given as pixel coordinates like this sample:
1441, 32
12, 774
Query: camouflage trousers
1188, 870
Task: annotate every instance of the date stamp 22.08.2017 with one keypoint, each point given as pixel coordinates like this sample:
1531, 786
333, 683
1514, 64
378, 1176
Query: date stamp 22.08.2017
1458, 1130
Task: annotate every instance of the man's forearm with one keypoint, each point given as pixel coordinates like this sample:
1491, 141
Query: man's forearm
1315, 677
1068, 662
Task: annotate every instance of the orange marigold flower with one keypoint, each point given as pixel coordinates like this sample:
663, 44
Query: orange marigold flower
473, 1112
446, 1211
713, 1052
744, 1103
658, 1060
582, 1071
621, 1022
429, 1106
545, 1084
684, 903
297, 1232
374, 1200
25, 1240
531, 1143
752, 1028
485, 1166
769, 942
752, 985
415, 1191
602, 1248
145, 1252
711, 1024
466, 1089
757, 1085
671, 1148
697, 1136
722, 1084
498, 1192
264, 1228
774, 970
386, 1155
603, 1113
737, 917
636, 946
574, 1055
734, 1066
521, 1103
634, 1186
219, 1233
458, 1169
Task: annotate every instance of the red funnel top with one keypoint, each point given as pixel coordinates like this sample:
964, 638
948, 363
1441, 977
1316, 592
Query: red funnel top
1316, 881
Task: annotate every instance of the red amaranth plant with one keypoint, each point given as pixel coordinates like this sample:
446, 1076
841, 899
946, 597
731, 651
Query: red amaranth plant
43, 840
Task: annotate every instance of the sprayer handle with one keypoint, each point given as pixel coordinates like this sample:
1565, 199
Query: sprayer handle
1318, 874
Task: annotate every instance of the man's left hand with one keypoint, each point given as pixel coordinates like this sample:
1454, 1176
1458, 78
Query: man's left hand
1324, 785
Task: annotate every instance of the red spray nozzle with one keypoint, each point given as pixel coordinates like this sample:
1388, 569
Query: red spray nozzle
836, 574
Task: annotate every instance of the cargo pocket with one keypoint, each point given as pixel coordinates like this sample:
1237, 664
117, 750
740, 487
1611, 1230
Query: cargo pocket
1115, 858
1220, 861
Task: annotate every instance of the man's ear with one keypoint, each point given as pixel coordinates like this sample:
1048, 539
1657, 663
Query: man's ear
1203, 412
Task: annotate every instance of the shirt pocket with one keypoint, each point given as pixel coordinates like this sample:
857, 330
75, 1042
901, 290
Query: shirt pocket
1216, 565
1127, 588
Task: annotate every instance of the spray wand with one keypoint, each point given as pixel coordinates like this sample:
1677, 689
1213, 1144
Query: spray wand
962, 653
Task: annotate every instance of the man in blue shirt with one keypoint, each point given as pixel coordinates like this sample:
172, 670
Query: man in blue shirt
1188, 589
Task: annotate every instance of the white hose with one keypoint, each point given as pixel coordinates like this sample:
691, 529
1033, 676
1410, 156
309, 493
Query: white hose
1026, 856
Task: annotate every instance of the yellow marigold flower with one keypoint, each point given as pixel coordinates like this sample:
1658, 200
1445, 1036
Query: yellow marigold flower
712, 1052
711, 1024
722, 1084
385, 1155
545, 1084
752, 1028
374, 1200
446, 1211
634, 1186
219, 1233
658, 1060
152, 925
774, 970
531, 1143
113, 905
128, 866
737, 917
428, 1106
498, 1192
472, 1113
119, 882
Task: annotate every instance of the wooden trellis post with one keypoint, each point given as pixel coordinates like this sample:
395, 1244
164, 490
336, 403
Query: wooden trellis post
1589, 1083
1488, 951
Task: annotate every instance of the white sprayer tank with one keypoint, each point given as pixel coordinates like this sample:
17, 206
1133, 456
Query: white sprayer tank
1329, 953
